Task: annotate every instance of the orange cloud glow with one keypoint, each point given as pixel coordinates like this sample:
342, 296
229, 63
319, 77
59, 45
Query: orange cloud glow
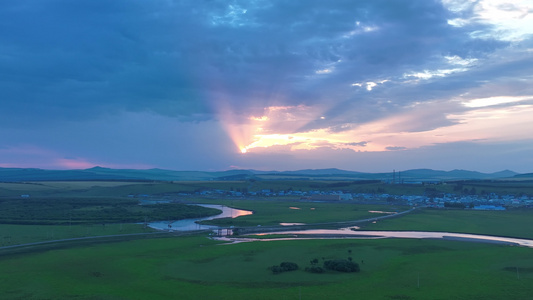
417, 126
263, 131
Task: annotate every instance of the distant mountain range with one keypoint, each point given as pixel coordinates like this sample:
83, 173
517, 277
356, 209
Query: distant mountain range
99, 173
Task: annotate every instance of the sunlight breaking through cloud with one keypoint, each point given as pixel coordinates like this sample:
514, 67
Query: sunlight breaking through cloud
491, 101
213, 84
406, 131
511, 20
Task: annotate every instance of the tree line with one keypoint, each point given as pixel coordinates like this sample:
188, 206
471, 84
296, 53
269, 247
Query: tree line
64, 211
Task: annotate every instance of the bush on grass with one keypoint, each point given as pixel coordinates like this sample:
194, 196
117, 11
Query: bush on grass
341, 265
284, 267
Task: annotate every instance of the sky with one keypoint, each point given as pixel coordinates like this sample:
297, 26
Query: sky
211, 85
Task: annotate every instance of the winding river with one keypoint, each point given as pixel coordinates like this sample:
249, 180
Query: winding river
351, 232
191, 224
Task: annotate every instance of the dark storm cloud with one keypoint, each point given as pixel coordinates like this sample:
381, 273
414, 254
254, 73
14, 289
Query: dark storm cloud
177, 82
77, 58
81, 59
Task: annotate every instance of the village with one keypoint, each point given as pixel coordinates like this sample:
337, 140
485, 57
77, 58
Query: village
490, 201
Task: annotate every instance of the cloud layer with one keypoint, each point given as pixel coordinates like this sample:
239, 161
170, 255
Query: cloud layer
190, 84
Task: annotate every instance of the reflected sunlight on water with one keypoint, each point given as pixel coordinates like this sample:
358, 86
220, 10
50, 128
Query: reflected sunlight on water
350, 233
191, 224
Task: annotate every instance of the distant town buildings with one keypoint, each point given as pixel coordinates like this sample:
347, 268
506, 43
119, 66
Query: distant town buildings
489, 201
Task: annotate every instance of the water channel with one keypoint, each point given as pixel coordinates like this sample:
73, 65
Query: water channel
192, 224
356, 234
350, 232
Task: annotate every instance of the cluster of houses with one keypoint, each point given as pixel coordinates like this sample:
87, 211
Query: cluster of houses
485, 202
488, 202
310, 195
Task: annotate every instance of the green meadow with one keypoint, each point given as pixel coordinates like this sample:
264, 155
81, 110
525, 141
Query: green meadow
166, 266
510, 223
125, 188
11, 234
266, 212
199, 268
273, 212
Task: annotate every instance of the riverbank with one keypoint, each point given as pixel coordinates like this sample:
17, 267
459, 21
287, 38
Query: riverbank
194, 223
355, 234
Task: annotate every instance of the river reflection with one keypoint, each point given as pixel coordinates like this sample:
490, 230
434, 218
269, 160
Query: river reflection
349, 233
191, 224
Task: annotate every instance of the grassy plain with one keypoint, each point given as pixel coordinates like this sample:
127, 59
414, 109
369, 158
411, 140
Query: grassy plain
274, 212
267, 212
510, 223
195, 267
22, 234
125, 188
68, 211
199, 268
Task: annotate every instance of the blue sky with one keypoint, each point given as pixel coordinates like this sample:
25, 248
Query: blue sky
271, 85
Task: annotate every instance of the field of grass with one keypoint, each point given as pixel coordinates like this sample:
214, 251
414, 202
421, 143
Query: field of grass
199, 268
274, 212
66, 216
510, 223
501, 187
67, 211
23, 234
54, 188
123, 189
195, 267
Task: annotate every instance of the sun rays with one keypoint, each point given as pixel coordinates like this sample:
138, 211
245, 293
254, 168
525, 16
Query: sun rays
282, 128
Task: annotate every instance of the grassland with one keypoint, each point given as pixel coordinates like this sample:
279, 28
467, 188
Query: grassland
52, 211
123, 189
195, 267
274, 212
266, 212
510, 223
199, 268
22, 234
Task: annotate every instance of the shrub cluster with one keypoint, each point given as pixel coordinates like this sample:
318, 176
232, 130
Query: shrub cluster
341, 265
284, 267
